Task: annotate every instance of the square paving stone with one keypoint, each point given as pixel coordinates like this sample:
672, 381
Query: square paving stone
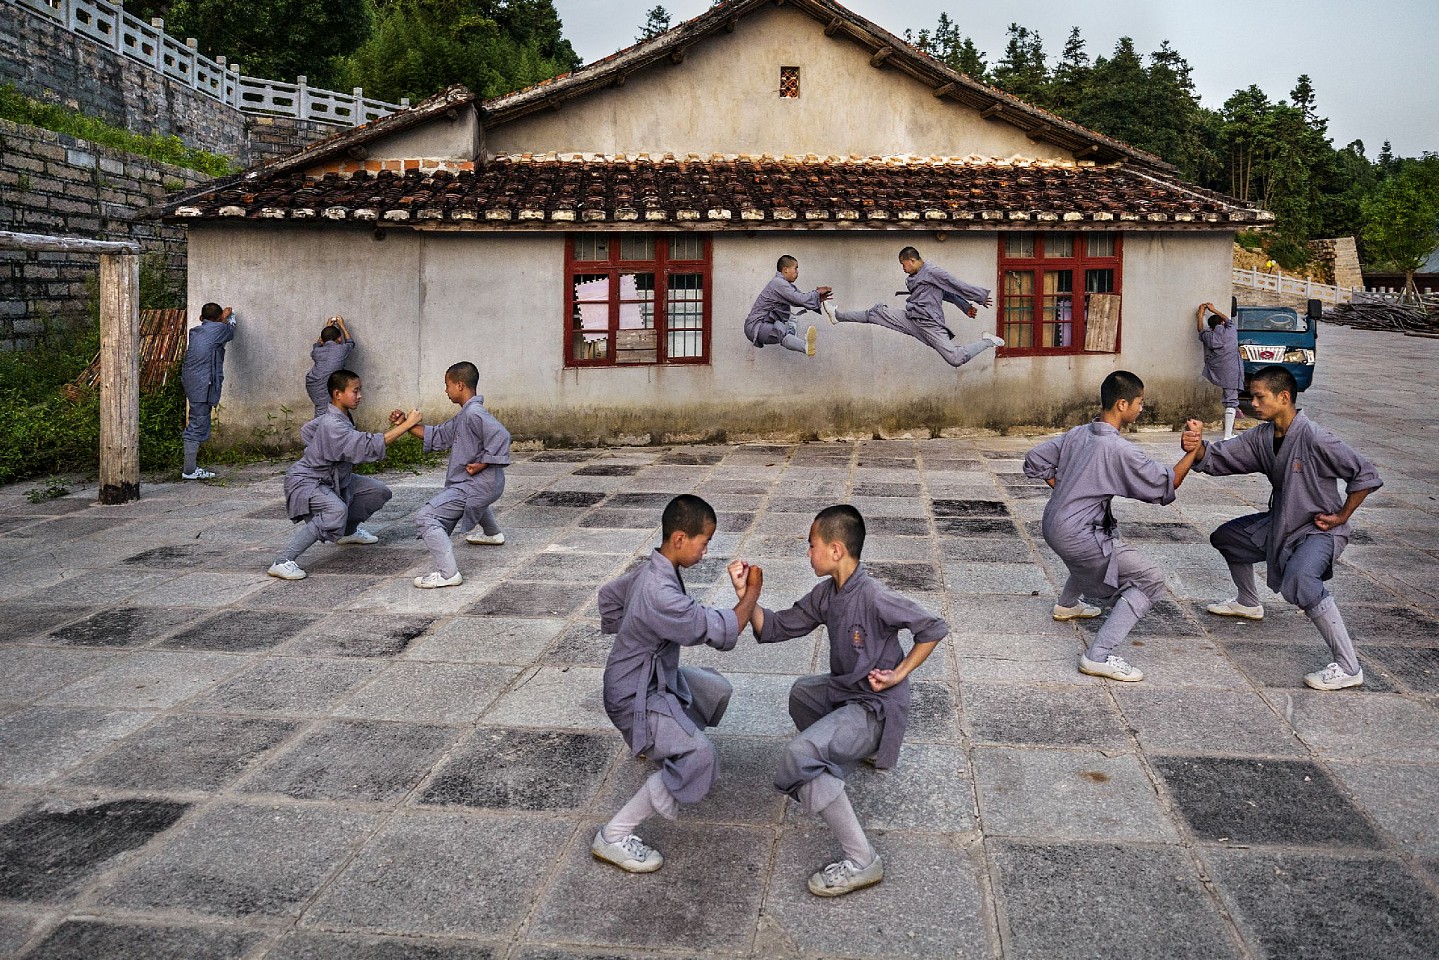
879, 488
1076, 795
204, 590
789, 657
1283, 665
1140, 532
365, 564
148, 681
1354, 724
436, 873
449, 693
114, 940
515, 598
1048, 715
639, 501
241, 861
1205, 721
1007, 614
178, 557
39, 743
565, 698
929, 791
585, 568
1417, 668
24, 620
123, 627
964, 549
359, 635
47, 854
345, 946
691, 459
906, 577
1042, 887
986, 578
1402, 798
1317, 905
565, 498
932, 711
522, 770
930, 904
564, 456
185, 753
895, 527
580, 644
316, 592
970, 508
354, 760
1022, 658
28, 673
743, 793
15, 930
1291, 802
1396, 625
241, 631
585, 904
606, 518
99, 587
486, 640
1165, 619
296, 687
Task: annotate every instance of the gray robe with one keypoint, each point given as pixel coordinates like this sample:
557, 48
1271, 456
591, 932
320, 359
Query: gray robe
203, 371
651, 618
332, 448
863, 622
772, 307
1222, 366
472, 436
1092, 464
325, 359
1305, 475
930, 288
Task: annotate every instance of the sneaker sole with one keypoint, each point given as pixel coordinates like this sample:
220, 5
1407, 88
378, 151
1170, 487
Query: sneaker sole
642, 868
281, 577
1109, 676
1327, 689
826, 892
1234, 615
483, 543
1076, 616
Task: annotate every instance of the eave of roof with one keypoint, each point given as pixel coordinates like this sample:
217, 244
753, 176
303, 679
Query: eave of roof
736, 193
885, 48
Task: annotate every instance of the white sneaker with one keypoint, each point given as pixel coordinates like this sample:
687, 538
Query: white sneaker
1080, 611
992, 338
831, 309
811, 338
1333, 677
200, 474
483, 539
1113, 668
431, 581
630, 854
289, 570
360, 536
843, 876
1233, 608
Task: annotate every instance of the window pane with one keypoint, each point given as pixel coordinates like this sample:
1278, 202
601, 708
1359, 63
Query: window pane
590, 248
1101, 244
1099, 281
637, 247
636, 341
1058, 308
788, 82
1019, 245
1018, 318
687, 246
1058, 245
684, 315
591, 318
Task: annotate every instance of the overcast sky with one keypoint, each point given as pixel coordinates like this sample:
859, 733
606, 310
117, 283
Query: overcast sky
1374, 64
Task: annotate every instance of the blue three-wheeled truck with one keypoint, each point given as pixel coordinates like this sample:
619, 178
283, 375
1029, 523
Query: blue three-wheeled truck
1270, 336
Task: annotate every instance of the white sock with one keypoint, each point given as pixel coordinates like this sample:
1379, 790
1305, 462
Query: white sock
1229, 413
839, 817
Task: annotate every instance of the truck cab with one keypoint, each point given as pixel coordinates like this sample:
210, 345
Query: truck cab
1279, 336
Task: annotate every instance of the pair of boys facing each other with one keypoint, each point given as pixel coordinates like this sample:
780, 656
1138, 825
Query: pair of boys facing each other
1299, 537
928, 288
323, 493
858, 710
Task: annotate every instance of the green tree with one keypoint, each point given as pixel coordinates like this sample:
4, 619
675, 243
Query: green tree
275, 39
1071, 77
657, 21
419, 47
1023, 71
1113, 103
1401, 218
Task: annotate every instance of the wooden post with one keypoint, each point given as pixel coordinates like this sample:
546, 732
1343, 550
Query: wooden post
119, 378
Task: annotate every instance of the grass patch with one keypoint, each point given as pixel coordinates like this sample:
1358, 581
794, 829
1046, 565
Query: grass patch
50, 116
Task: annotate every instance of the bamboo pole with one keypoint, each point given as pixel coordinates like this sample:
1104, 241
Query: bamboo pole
119, 378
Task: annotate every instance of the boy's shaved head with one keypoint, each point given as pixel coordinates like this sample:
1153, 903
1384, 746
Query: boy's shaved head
687, 514
785, 261
1119, 385
330, 334
464, 373
841, 523
211, 311
1276, 380
910, 253
340, 380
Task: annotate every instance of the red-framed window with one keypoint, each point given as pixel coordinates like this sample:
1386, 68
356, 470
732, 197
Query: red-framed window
637, 298
1047, 285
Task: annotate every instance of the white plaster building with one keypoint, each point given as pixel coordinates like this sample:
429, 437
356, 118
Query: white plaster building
594, 242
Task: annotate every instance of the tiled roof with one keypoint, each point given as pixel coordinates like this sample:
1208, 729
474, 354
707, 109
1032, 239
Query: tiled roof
736, 192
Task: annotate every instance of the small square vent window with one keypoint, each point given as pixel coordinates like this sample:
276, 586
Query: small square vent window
789, 83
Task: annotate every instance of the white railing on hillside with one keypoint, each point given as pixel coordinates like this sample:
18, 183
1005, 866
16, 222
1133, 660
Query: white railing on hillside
109, 25
1295, 286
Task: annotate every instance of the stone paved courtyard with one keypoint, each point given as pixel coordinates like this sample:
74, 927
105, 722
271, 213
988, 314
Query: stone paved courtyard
198, 761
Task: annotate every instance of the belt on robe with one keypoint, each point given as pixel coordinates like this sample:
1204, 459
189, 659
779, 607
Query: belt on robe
640, 714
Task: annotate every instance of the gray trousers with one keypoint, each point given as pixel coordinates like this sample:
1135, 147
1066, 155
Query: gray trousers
886, 316
782, 332
1302, 580
1141, 582
830, 742
197, 426
332, 518
688, 761
464, 506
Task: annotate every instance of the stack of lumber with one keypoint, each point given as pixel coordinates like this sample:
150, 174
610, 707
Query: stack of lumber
162, 347
1414, 319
